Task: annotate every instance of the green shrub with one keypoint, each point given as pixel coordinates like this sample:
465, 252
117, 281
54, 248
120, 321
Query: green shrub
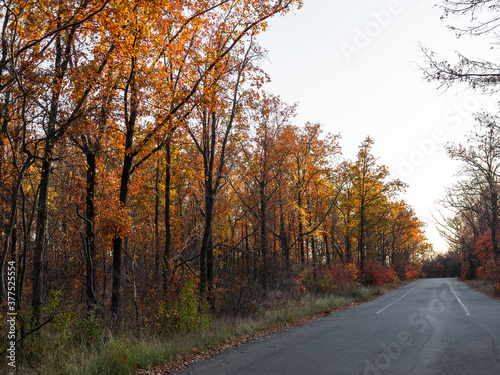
184, 312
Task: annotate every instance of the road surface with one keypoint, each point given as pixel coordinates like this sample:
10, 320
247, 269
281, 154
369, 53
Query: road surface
435, 326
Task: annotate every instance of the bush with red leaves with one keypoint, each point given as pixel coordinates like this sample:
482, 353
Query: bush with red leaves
374, 273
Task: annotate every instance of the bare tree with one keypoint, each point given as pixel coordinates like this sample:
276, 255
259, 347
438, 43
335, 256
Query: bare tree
480, 192
483, 20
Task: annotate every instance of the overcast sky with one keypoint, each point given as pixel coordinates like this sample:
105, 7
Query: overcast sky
353, 67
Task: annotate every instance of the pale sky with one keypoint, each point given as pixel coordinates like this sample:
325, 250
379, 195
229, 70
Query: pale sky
353, 67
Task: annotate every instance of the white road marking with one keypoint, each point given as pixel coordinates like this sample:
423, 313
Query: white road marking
458, 299
399, 299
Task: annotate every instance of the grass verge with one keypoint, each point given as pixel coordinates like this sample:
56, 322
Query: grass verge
485, 287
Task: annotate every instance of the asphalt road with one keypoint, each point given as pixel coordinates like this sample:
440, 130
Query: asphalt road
435, 326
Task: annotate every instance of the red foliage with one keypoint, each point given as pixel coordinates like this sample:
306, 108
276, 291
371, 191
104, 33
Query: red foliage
374, 273
344, 273
490, 267
484, 248
412, 274
466, 273
414, 271
337, 277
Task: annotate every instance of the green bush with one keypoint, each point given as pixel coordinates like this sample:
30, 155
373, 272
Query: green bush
184, 313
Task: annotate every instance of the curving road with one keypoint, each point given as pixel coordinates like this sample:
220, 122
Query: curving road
434, 326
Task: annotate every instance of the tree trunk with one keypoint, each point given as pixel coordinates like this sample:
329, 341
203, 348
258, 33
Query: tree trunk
157, 224
92, 301
166, 254
118, 240
210, 272
41, 225
327, 251
12, 223
131, 114
263, 235
361, 246
348, 245
247, 253
285, 248
314, 258
206, 239
301, 238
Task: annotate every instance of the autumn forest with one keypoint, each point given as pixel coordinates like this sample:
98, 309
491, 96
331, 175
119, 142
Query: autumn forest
149, 183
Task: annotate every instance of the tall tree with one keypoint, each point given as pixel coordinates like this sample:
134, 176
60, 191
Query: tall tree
371, 188
218, 115
263, 158
311, 162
